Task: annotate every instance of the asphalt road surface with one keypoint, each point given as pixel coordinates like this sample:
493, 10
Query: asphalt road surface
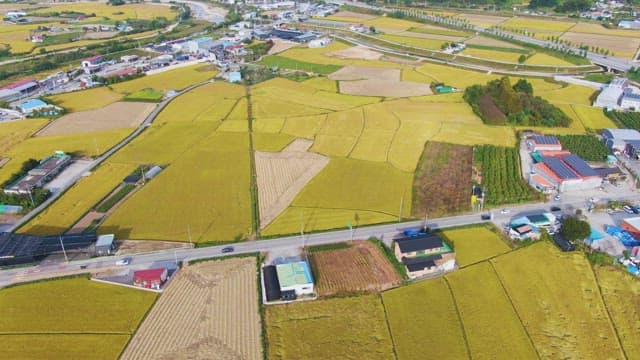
385, 232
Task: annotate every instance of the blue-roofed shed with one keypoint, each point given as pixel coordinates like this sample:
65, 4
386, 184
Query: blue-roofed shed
235, 76
559, 168
578, 165
32, 105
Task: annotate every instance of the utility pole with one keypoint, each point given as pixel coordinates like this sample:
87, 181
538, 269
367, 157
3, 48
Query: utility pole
302, 227
189, 232
425, 221
401, 206
66, 259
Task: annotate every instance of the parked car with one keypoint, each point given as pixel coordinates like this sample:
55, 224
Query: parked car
505, 211
628, 209
227, 249
485, 217
557, 197
414, 233
555, 209
124, 261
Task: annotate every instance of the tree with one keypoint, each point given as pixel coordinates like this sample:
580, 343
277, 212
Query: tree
522, 59
574, 229
523, 86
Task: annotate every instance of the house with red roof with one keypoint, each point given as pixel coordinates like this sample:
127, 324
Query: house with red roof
150, 278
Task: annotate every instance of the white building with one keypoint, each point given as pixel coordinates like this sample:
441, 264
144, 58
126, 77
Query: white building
630, 101
611, 94
616, 139
319, 43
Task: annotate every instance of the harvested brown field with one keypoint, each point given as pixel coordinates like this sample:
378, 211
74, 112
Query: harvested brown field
280, 46
143, 246
208, 311
282, 175
355, 15
100, 35
621, 46
483, 20
481, 40
114, 116
356, 52
431, 36
384, 88
364, 72
442, 182
360, 267
371, 81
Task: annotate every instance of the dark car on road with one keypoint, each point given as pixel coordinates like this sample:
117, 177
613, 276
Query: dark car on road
227, 249
555, 209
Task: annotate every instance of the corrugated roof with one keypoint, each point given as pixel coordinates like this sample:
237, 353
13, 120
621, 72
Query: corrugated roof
560, 168
576, 163
622, 134
546, 139
149, 274
296, 273
420, 263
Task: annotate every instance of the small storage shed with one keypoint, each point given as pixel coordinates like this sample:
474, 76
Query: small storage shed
105, 244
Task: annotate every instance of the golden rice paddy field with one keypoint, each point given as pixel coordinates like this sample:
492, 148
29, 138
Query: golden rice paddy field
544, 59
561, 297
171, 204
307, 330
475, 244
409, 337
176, 79
127, 11
86, 99
14, 132
487, 315
60, 319
89, 144
510, 57
621, 294
81, 197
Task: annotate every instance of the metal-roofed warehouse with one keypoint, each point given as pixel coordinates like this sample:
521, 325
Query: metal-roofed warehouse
565, 173
271, 283
22, 248
616, 139
544, 143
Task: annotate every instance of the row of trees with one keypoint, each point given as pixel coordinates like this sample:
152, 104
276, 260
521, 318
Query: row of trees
629, 120
587, 147
498, 103
501, 175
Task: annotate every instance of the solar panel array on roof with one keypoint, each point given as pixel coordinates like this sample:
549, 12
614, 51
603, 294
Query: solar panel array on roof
546, 139
559, 168
580, 166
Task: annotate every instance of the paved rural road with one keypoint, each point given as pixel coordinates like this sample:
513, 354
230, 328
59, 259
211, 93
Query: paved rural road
146, 123
385, 232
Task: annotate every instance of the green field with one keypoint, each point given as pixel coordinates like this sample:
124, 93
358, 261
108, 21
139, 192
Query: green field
321, 330
77, 318
559, 303
475, 244
287, 63
145, 95
501, 177
409, 308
